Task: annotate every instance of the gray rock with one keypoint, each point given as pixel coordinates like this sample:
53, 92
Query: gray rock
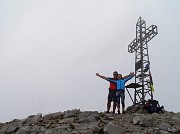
85, 126
87, 120
176, 117
163, 132
24, 130
97, 129
49, 132
145, 122
71, 113
31, 116
113, 129
1, 124
33, 119
63, 127
67, 120
109, 117
166, 127
93, 117
84, 114
87, 131
94, 114
105, 121
138, 132
136, 120
156, 129
155, 116
93, 124
42, 130
4, 127
2, 132
130, 119
12, 128
74, 132
23, 121
35, 128
135, 108
53, 116
149, 131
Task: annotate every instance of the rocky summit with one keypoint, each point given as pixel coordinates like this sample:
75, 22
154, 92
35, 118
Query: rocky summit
93, 122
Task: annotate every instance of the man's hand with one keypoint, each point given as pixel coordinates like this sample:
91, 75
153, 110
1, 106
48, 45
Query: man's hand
132, 73
97, 74
101, 76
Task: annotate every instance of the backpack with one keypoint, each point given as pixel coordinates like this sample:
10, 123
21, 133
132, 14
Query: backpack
152, 106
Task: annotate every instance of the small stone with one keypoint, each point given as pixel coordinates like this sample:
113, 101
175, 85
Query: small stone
109, 117
67, 120
163, 132
149, 131
83, 126
136, 120
155, 116
87, 120
105, 121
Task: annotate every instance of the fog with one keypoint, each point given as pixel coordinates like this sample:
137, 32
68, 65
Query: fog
51, 50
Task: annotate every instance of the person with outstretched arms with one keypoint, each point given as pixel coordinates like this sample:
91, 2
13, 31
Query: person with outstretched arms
120, 93
116, 90
112, 90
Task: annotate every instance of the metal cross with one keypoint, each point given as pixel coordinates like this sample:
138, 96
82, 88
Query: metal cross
142, 64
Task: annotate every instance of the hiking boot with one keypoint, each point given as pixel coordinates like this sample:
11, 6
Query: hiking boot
119, 112
123, 112
113, 111
107, 111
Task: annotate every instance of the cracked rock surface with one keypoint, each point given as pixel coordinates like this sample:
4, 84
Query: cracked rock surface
92, 122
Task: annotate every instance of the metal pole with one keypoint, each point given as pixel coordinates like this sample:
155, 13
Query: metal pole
141, 51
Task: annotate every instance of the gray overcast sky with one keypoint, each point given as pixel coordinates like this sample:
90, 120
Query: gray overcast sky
50, 51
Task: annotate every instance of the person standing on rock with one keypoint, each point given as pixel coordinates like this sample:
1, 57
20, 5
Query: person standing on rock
112, 90
120, 93
116, 90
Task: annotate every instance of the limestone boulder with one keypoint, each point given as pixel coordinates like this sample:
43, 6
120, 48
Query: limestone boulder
113, 129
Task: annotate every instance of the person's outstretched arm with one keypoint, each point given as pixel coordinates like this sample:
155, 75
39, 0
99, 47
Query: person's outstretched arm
101, 76
131, 73
125, 76
130, 76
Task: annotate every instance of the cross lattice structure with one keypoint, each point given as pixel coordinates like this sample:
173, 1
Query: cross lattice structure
142, 64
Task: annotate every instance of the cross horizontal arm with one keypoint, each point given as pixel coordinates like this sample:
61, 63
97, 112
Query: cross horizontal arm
151, 32
132, 46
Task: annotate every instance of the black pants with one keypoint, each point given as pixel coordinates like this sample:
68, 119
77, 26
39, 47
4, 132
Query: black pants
112, 96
